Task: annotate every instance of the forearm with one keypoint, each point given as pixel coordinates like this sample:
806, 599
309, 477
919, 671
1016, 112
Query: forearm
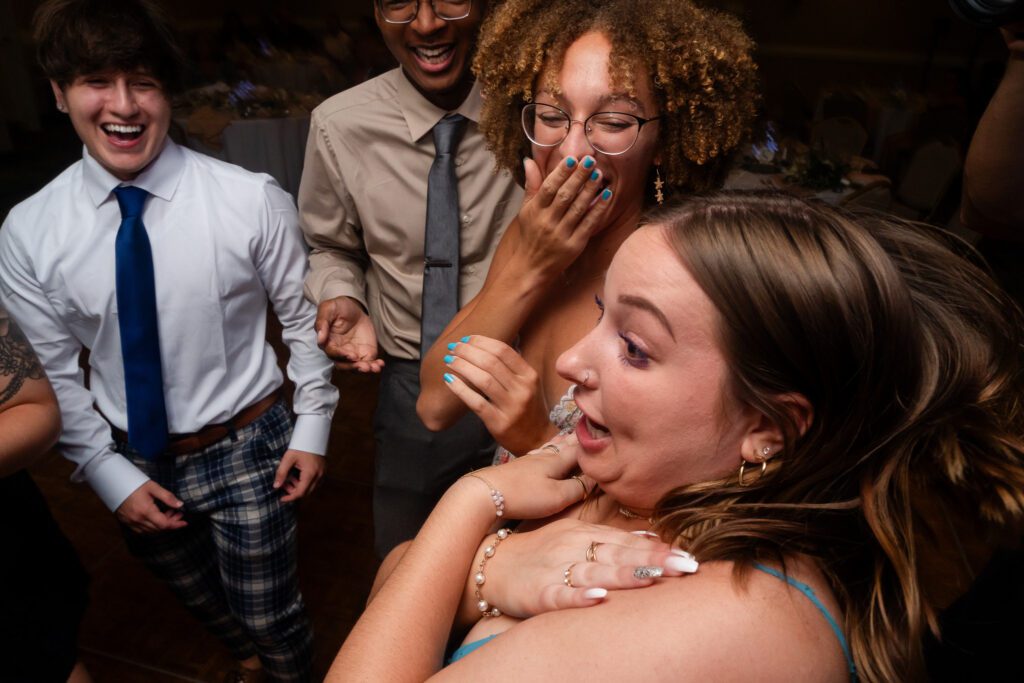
403, 632
30, 429
993, 170
499, 311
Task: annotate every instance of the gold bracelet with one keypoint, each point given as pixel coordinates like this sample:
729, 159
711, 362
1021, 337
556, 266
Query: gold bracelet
486, 609
496, 497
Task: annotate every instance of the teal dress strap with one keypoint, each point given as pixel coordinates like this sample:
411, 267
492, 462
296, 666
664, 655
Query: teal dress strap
809, 592
469, 647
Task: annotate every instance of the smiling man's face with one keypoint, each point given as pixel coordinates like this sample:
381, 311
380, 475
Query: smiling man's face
435, 54
121, 117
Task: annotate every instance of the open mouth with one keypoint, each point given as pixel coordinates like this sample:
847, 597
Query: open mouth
123, 132
596, 429
435, 56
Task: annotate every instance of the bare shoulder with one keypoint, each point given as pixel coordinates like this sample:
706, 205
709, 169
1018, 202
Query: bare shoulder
706, 626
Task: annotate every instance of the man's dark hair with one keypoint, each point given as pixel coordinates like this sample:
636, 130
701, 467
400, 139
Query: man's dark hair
76, 37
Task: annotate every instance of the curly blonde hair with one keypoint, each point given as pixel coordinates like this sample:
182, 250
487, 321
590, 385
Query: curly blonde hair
698, 61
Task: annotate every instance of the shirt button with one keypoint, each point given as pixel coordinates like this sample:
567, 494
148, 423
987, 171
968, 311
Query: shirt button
459, 161
465, 219
471, 270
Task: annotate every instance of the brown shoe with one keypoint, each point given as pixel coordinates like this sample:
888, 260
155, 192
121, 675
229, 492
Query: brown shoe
244, 675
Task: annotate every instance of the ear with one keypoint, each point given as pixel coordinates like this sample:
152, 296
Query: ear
766, 439
58, 94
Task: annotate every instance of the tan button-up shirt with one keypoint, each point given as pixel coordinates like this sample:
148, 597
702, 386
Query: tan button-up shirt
363, 203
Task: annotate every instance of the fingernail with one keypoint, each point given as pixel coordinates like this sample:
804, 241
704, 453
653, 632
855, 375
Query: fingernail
451, 347
682, 564
644, 532
606, 195
588, 162
592, 593
682, 553
277, 484
448, 360
570, 162
595, 175
648, 572
449, 378
465, 340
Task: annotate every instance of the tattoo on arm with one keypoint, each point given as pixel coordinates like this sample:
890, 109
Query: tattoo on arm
17, 359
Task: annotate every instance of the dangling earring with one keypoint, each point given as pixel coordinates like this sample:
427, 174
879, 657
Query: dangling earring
743, 467
659, 196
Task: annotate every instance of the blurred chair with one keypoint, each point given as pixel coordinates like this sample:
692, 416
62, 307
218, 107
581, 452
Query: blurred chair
928, 177
839, 137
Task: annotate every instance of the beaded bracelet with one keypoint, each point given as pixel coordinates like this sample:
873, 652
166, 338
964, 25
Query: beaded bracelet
496, 497
486, 609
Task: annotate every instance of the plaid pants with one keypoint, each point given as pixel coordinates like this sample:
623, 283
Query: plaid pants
234, 565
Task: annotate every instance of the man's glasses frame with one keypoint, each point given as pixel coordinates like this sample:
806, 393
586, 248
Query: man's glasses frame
417, 3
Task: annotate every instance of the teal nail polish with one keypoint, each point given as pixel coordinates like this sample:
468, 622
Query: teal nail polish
595, 175
570, 162
588, 162
606, 195
465, 340
451, 347
448, 360
448, 378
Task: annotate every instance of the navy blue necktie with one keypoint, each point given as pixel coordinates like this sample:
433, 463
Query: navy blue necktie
137, 318
441, 238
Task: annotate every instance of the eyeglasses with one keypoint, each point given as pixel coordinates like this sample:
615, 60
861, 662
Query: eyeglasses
405, 11
608, 132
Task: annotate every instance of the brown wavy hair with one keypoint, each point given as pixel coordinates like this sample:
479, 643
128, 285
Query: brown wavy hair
698, 61
911, 358
75, 37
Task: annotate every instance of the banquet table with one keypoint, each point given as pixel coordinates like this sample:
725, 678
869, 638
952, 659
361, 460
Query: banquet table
275, 146
742, 179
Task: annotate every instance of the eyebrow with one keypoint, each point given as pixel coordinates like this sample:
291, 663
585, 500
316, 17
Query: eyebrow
624, 98
645, 305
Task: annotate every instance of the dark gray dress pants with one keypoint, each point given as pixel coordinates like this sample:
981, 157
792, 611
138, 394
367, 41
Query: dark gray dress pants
414, 466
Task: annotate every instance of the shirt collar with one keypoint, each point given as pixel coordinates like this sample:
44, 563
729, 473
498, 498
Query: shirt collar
421, 115
159, 179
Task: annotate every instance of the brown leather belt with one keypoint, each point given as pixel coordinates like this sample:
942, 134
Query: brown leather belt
182, 444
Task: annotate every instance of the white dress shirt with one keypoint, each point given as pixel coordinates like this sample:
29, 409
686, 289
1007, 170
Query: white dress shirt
223, 241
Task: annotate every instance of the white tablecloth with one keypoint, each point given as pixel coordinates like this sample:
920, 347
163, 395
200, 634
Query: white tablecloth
274, 146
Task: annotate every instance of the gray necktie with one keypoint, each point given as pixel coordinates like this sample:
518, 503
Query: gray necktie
441, 239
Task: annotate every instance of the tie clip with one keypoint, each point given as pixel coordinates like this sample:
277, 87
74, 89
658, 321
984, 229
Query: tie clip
436, 263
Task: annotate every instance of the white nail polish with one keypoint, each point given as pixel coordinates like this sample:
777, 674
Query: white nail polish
682, 564
592, 593
681, 553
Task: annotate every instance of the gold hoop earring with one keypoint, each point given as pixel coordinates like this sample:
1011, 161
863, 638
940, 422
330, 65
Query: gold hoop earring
743, 465
659, 196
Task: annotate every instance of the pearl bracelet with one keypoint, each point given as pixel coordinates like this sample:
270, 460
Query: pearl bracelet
486, 609
496, 497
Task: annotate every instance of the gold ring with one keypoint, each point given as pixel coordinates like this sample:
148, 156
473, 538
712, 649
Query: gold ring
550, 447
592, 551
567, 576
578, 478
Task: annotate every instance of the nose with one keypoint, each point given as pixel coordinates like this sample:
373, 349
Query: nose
576, 143
574, 366
122, 100
426, 20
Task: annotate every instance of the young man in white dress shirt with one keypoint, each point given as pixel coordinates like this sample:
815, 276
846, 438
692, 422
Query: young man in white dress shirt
161, 262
